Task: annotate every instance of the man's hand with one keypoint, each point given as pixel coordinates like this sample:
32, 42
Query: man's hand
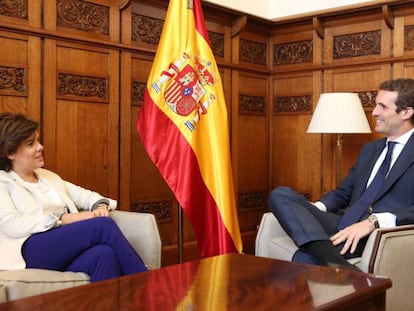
352, 235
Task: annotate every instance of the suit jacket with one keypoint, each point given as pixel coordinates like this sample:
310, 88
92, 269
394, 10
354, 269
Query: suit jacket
21, 214
397, 193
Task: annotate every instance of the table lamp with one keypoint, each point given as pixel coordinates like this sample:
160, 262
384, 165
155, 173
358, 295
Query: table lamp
339, 113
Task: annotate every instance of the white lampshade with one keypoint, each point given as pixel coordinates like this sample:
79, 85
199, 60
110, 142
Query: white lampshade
339, 113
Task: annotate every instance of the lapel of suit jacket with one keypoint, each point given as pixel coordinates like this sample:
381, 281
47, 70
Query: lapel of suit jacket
370, 160
42, 173
405, 159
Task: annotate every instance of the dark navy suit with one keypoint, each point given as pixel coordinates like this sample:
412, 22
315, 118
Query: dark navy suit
304, 222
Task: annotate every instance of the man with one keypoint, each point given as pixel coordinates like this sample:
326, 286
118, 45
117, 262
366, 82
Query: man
336, 228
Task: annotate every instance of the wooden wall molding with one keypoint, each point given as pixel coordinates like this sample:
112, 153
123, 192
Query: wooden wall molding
123, 4
138, 93
292, 104
217, 42
388, 16
12, 78
318, 27
82, 15
80, 87
357, 44
252, 201
298, 52
17, 9
252, 52
238, 25
409, 38
367, 99
146, 29
160, 209
249, 104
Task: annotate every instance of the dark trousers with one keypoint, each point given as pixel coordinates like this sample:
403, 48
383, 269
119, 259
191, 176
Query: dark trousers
305, 223
94, 246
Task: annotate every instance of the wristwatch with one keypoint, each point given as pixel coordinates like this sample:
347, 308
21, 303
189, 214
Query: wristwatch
374, 220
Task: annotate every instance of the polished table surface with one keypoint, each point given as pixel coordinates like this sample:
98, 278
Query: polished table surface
226, 282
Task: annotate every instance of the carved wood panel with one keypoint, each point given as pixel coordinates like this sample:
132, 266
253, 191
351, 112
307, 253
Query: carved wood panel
13, 79
146, 29
19, 70
253, 52
83, 15
81, 87
357, 44
409, 38
288, 53
16, 8
292, 104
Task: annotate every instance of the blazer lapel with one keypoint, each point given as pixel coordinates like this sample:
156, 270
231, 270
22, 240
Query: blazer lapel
52, 182
400, 166
370, 161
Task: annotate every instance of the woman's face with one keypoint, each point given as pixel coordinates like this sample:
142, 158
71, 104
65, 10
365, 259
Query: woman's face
28, 157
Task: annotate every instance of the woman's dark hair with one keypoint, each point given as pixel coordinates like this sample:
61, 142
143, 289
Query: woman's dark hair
14, 129
405, 89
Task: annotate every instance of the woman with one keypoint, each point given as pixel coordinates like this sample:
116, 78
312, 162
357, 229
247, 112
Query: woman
48, 223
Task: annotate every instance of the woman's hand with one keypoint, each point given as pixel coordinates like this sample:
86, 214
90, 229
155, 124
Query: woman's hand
101, 211
68, 218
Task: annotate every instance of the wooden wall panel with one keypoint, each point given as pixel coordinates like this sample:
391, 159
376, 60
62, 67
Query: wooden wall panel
250, 144
83, 115
292, 147
19, 83
349, 41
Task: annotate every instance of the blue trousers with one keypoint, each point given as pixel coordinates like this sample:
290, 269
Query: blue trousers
94, 246
305, 223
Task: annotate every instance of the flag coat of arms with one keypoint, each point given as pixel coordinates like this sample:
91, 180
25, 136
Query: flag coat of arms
184, 129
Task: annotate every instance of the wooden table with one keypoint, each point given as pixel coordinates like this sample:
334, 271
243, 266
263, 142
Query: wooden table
227, 282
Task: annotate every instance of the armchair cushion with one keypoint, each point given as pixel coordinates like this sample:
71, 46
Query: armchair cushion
28, 282
140, 229
2, 293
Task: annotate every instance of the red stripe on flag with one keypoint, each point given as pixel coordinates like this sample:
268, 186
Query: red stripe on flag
199, 20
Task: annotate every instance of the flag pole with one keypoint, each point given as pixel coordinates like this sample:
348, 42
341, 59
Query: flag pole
180, 234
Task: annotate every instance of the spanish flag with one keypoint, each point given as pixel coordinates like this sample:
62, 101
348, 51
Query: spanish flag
183, 126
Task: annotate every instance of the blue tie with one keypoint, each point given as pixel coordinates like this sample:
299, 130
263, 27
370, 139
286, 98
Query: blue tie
355, 212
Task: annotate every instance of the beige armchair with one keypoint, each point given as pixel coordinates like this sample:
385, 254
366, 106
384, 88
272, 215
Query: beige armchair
139, 228
389, 252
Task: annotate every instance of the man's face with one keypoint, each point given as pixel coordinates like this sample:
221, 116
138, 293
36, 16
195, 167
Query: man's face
389, 122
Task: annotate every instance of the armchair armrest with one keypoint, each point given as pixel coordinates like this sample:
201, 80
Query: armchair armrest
272, 241
384, 246
141, 230
390, 252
